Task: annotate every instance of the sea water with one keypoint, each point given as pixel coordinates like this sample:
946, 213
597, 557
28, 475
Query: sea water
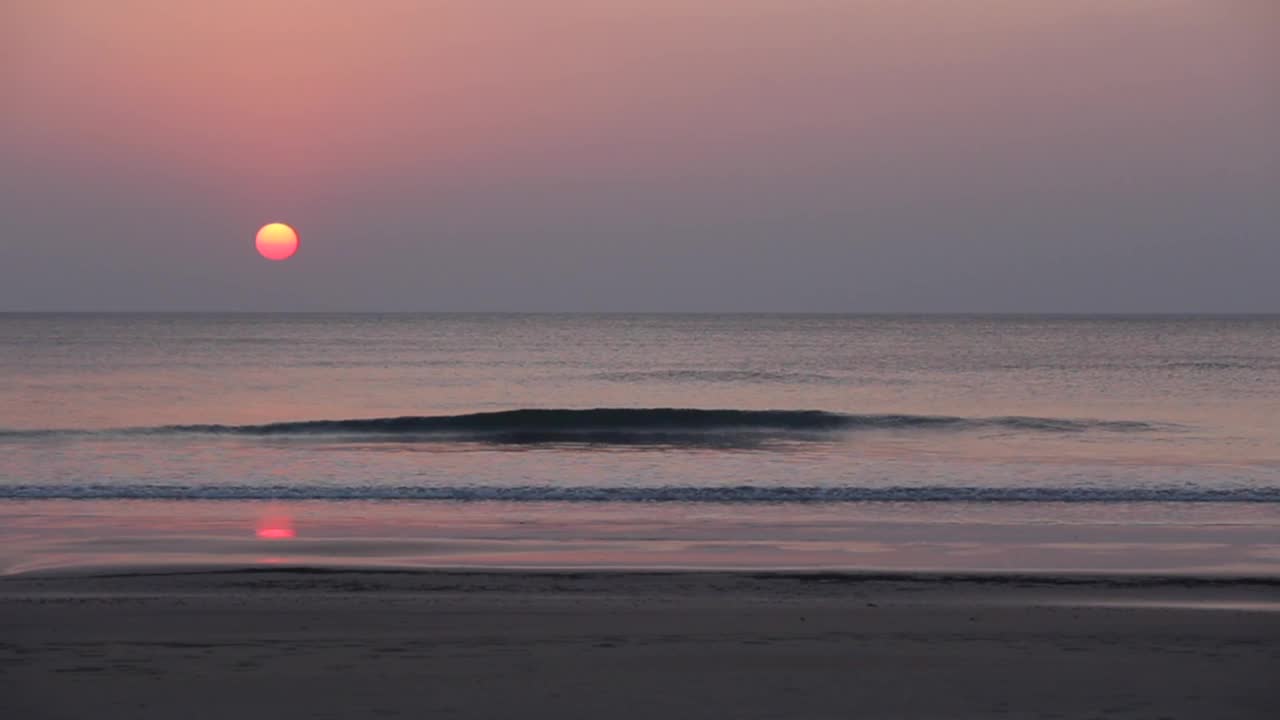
760, 441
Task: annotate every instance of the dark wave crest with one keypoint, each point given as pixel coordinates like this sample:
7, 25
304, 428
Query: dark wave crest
737, 494
618, 426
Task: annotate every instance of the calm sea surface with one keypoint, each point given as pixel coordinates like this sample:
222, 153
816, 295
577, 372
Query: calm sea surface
899, 442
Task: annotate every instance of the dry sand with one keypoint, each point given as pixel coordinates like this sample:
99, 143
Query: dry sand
309, 643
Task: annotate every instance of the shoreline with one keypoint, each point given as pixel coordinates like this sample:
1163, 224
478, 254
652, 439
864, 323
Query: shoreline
965, 539
798, 574
500, 587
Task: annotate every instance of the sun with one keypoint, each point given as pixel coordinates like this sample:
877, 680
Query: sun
277, 241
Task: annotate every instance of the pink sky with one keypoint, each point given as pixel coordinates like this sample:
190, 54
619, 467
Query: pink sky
666, 114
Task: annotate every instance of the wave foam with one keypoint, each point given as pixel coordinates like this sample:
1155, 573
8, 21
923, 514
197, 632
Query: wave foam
632, 494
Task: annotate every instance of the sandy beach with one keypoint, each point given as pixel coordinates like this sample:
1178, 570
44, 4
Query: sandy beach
312, 643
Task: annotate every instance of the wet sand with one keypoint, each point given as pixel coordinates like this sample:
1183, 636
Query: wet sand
312, 643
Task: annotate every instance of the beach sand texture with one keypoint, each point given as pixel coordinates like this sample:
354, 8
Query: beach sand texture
308, 643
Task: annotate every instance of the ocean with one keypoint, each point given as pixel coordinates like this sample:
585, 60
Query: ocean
922, 443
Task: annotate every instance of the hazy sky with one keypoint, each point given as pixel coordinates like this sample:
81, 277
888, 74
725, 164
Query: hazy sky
790, 155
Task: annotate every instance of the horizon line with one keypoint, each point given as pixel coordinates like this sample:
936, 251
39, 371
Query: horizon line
865, 313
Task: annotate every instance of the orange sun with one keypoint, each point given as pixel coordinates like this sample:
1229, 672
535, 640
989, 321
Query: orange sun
277, 241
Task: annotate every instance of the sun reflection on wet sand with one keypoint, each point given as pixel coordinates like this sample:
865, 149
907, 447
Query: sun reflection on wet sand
275, 526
